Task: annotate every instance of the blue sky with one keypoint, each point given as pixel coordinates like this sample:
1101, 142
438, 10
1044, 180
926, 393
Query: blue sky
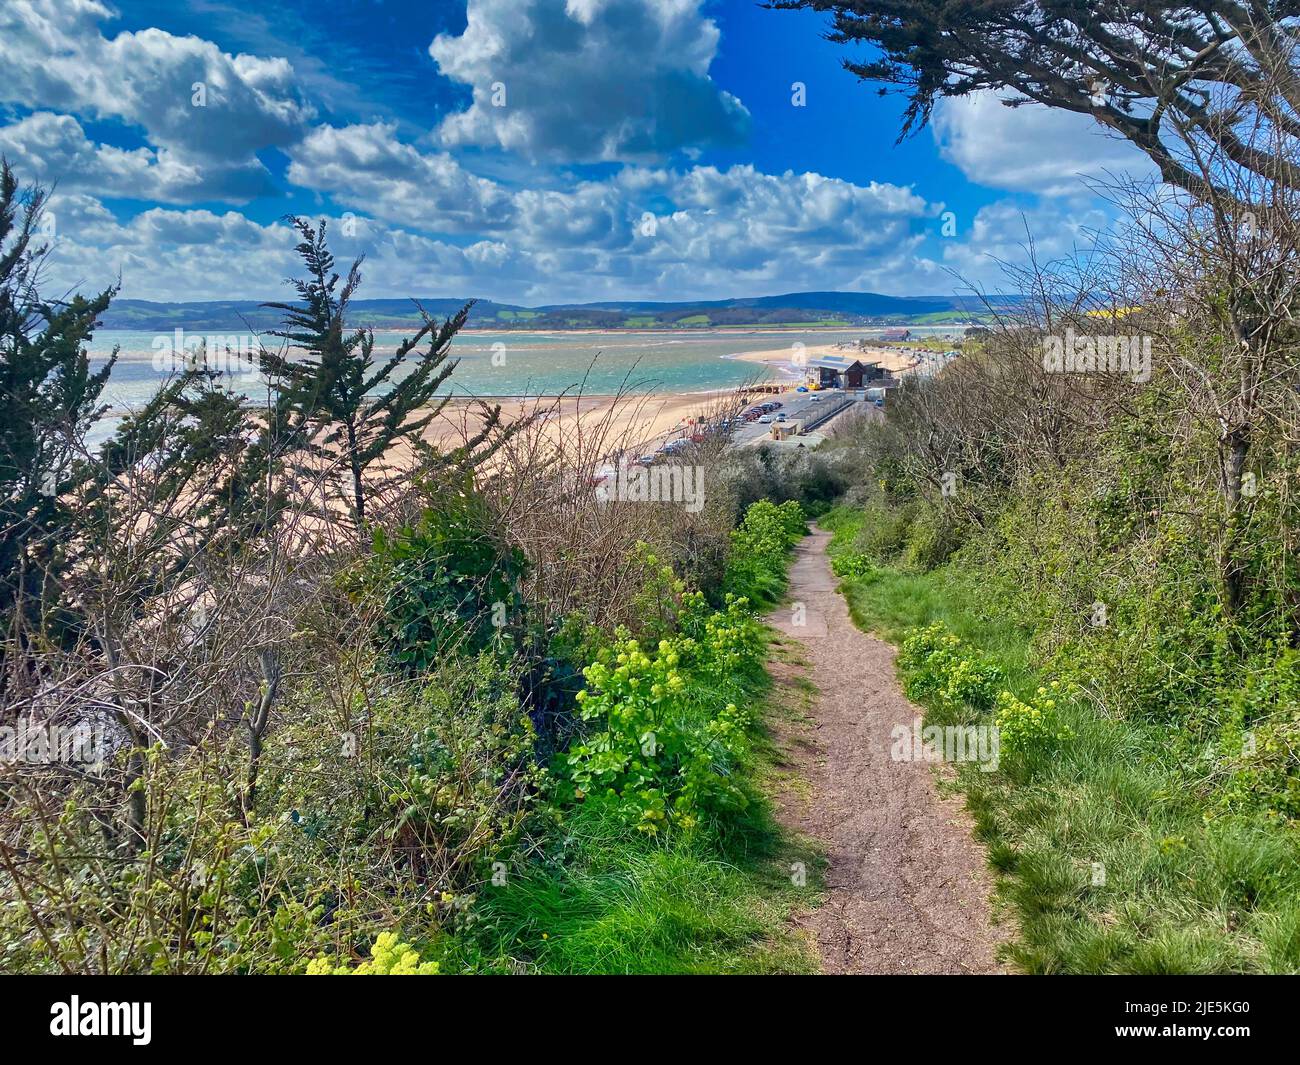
522, 150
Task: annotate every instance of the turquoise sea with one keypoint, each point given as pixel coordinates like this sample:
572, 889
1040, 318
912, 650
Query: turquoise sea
501, 364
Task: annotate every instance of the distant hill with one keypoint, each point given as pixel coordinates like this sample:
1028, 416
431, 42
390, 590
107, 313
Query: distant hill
793, 308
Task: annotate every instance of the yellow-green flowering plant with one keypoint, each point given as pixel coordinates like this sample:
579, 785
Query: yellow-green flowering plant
388, 957
1025, 726
665, 734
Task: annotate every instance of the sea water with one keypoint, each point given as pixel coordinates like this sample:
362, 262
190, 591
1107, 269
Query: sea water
508, 363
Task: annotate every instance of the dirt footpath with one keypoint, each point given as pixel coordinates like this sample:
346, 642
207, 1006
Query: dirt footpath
907, 890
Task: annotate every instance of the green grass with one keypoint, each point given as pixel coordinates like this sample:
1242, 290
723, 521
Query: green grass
603, 899
1184, 891
952, 318
608, 902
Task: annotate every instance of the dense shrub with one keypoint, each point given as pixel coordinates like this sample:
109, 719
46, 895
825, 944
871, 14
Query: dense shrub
668, 733
381, 806
812, 478
759, 547
446, 583
437, 777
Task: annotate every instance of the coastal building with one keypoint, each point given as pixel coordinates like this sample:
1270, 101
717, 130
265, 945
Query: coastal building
894, 336
841, 371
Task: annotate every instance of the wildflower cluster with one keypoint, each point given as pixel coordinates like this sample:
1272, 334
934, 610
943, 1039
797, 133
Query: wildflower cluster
1033, 725
669, 730
940, 669
388, 957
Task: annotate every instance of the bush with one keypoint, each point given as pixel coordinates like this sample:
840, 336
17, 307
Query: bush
446, 583
392, 799
433, 780
759, 548
938, 669
852, 565
669, 735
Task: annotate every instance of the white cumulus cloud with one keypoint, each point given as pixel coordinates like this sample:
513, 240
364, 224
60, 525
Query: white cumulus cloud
55, 57
1030, 148
587, 80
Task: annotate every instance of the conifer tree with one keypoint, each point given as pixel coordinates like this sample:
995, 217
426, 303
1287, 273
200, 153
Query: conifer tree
335, 398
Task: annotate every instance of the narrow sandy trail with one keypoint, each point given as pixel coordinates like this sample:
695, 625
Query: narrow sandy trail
906, 887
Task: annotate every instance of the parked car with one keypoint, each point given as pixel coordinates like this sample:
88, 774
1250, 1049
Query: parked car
780, 417
765, 419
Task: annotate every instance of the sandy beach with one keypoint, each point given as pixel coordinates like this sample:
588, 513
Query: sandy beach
789, 360
638, 422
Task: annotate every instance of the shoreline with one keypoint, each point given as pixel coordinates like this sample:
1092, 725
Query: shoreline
641, 420
479, 330
648, 415
895, 360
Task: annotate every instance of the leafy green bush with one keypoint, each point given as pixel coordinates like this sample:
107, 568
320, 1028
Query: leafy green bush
668, 733
852, 565
938, 669
759, 548
446, 582
435, 779
375, 803
1260, 738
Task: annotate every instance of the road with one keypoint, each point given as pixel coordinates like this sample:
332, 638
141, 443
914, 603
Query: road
798, 406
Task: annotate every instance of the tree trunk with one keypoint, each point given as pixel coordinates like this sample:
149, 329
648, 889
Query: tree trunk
358, 491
